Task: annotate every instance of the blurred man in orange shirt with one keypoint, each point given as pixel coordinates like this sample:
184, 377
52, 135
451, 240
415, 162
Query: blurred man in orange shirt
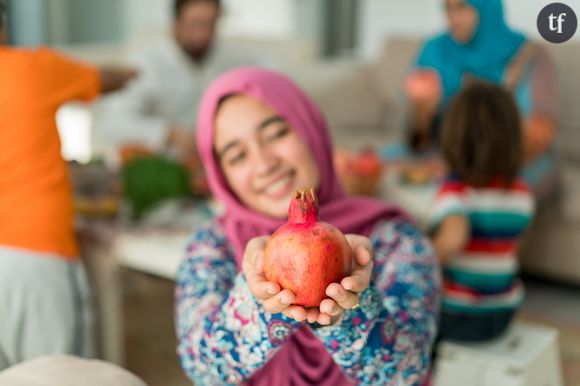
44, 299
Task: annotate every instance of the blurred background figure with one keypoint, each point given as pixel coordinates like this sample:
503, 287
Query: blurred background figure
155, 116
157, 112
480, 213
480, 44
44, 296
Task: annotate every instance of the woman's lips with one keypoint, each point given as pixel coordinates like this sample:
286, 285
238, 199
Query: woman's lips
280, 188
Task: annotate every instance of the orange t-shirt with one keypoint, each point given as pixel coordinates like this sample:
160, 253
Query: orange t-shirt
36, 211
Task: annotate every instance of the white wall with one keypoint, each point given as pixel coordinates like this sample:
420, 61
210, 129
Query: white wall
26, 22
259, 18
381, 18
147, 18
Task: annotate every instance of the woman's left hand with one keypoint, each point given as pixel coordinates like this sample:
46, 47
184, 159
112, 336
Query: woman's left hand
345, 295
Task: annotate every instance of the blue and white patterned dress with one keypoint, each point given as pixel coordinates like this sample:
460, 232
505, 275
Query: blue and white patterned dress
225, 335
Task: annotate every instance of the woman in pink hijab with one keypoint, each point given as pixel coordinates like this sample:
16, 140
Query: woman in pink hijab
261, 138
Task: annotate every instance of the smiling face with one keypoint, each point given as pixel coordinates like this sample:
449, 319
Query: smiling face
263, 159
462, 20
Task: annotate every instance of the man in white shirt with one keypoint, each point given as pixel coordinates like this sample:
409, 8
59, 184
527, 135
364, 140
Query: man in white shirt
158, 110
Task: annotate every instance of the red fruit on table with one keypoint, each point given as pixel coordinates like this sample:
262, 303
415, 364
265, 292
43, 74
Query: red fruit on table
368, 164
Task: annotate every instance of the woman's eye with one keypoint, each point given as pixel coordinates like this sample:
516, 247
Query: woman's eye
278, 133
236, 158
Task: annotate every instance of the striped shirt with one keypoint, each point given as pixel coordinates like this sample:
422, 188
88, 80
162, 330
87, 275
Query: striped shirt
483, 277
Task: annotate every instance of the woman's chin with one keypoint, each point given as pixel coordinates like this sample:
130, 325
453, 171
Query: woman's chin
462, 38
280, 209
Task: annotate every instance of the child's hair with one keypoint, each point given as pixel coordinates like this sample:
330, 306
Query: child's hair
482, 135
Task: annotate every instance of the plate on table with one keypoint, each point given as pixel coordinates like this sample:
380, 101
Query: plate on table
422, 173
359, 172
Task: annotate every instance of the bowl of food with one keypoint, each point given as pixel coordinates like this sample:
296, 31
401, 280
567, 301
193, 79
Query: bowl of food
359, 172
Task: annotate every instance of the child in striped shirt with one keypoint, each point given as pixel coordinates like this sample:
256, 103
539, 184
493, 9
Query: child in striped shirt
480, 213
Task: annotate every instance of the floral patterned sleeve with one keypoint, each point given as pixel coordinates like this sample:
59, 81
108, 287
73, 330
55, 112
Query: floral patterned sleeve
224, 334
387, 341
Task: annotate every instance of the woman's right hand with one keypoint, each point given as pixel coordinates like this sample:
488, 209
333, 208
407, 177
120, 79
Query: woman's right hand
423, 87
273, 299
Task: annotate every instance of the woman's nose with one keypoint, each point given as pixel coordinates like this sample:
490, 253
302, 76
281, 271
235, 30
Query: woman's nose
266, 161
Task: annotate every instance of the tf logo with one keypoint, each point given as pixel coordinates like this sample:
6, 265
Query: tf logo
557, 22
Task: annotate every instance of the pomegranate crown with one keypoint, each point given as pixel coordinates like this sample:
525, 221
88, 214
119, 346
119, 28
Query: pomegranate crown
303, 207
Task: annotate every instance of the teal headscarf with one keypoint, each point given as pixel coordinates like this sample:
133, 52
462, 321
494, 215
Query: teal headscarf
485, 56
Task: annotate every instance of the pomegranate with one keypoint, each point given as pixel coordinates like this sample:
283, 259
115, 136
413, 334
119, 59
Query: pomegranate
423, 85
306, 255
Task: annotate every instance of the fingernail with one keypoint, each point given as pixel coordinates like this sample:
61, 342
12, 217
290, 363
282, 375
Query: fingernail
271, 291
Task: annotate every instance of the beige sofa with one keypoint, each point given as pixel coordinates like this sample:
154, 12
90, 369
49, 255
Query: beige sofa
364, 106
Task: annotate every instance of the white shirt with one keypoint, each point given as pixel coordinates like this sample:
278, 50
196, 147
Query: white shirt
166, 93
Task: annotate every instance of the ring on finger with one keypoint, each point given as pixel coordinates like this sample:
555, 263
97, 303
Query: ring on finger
356, 305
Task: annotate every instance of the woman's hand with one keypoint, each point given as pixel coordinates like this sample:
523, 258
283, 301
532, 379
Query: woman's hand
273, 299
345, 295
342, 296
423, 86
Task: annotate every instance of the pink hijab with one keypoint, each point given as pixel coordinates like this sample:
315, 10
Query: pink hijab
303, 359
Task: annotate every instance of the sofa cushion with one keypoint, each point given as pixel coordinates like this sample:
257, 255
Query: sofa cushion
567, 60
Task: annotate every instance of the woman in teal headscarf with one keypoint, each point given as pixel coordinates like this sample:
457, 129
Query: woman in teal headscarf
480, 45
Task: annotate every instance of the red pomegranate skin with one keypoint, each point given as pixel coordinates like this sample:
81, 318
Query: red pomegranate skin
305, 255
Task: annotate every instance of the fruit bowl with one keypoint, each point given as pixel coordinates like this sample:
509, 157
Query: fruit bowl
359, 173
